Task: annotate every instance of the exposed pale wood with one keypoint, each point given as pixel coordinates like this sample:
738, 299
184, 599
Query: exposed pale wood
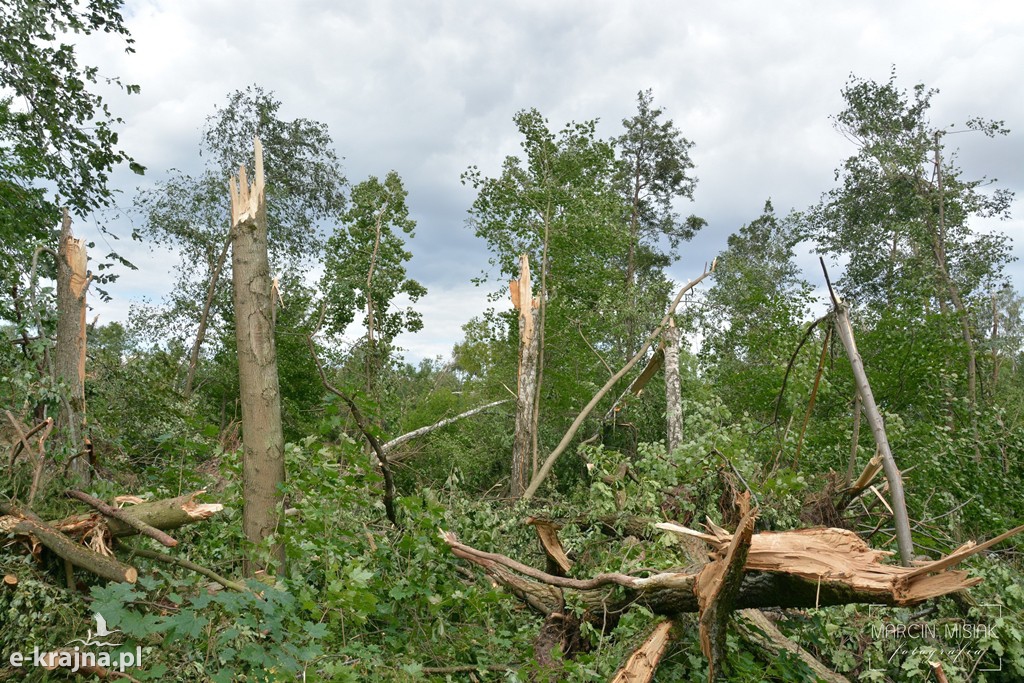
10, 580
547, 532
761, 632
69, 351
643, 663
126, 517
717, 587
570, 434
524, 432
166, 514
259, 389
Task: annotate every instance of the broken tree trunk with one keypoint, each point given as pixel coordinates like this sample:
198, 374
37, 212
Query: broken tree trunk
84, 540
789, 569
761, 632
805, 568
526, 392
164, 514
391, 445
874, 418
69, 352
569, 435
259, 391
643, 663
673, 395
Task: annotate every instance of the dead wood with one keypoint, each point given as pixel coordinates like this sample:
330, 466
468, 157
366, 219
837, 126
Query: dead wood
758, 630
642, 664
391, 445
127, 518
547, 532
199, 569
165, 514
75, 553
718, 584
874, 418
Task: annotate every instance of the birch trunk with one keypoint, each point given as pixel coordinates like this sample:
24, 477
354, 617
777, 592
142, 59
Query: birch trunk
673, 394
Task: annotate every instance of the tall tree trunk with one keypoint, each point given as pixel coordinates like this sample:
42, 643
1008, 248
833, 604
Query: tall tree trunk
939, 245
69, 353
525, 437
874, 418
262, 438
204, 317
673, 394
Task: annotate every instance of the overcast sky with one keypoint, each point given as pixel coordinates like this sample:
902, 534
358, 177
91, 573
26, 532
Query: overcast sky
429, 88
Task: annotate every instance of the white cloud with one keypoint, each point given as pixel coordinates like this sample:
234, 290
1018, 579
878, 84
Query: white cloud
429, 88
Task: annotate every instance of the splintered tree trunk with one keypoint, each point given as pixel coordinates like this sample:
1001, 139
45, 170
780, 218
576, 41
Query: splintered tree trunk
529, 350
673, 395
69, 356
262, 439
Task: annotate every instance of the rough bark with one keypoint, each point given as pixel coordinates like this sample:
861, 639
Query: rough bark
526, 394
262, 437
758, 630
69, 351
673, 394
874, 418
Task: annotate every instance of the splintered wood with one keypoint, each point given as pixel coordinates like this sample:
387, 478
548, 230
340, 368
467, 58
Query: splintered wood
838, 557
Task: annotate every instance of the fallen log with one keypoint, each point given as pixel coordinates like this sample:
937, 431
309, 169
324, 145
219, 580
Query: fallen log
757, 629
643, 663
75, 553
83, 540
126, 517
791, 569
163, 514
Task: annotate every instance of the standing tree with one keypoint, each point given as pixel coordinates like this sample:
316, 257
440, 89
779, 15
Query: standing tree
305, 186
262, 438
903, 213
364, 268
557, 205
57, 134
654, 169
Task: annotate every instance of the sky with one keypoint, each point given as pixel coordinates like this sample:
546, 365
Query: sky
429, 88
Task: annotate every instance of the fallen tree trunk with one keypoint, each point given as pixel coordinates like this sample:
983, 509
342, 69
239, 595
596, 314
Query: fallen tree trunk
83, 540
164, 514
791, 569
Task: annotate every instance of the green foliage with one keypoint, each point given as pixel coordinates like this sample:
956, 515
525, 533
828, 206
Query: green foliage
365, 262
50, 122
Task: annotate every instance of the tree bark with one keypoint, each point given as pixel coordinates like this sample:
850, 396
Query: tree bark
673, 395
259, 391
526, 395
874, 418
69, 354
394, 443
